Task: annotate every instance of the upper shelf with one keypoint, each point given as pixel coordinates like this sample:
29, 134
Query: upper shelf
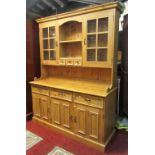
70, 41
71, 32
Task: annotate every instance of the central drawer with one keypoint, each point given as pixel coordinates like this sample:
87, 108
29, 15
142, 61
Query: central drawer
40, 90
60, 94
88, 100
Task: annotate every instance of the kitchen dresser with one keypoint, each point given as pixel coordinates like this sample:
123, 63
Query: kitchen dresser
76, 93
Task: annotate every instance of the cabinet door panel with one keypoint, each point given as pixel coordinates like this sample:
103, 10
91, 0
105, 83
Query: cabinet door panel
48, 42
36, 105
56, 119
80, 119
94, 123
66, 114
44, 102
98, 35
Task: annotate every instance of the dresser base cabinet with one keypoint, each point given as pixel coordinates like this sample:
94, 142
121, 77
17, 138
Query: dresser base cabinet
86, 118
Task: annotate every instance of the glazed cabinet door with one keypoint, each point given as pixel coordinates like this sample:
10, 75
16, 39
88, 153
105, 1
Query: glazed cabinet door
48, 43
66, 117
36, 105
94, 123
80, 119
97, 40
44, 104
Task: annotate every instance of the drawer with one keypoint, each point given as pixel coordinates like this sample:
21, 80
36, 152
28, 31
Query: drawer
69, 62
62, 61
88, 100
77, 62
40, 90
60, 94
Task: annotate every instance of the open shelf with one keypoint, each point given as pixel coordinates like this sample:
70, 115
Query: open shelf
70, 41
105, 32
73, 49
93, 33
91, 47
71, 30
102, 47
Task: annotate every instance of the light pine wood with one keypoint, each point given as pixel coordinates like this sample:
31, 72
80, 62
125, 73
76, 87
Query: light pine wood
56, 38
71, 30
92, 87
76, 93
44, 105
56, 113
66, 116
72, 14
80, 119
109, 115
40, 90
60, 94
40, 106
96, 16
102, 74
88, 100
85, 141
36, 105
93, 118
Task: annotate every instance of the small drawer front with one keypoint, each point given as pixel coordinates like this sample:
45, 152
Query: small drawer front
88, 100
40, 90
69, 62
77, 62
60, 94
62, 61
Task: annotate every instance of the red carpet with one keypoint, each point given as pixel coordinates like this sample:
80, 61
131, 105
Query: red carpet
117, 146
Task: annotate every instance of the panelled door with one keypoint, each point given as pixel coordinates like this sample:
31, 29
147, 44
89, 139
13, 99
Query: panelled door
94, 123
44, 104
48, 42
98, 39
36, 105
56, 111
79, 119
66, 117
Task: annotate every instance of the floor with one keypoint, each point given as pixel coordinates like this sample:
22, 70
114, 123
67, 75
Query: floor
117, 146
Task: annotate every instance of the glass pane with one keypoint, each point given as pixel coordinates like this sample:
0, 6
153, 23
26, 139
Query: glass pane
46, 55
91, 55
91, 39
52, 55
51, 31
91, 26
102, 55
52, 43
45, 44
102, 40
103, 24
45, 32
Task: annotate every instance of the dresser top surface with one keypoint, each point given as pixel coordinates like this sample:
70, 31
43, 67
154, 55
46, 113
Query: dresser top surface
92, 87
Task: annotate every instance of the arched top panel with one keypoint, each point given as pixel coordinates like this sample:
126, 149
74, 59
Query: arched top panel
71, 30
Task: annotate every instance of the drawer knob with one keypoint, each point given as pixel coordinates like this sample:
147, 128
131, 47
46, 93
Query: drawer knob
87, 99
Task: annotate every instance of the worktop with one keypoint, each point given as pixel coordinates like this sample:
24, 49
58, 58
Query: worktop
92, 87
